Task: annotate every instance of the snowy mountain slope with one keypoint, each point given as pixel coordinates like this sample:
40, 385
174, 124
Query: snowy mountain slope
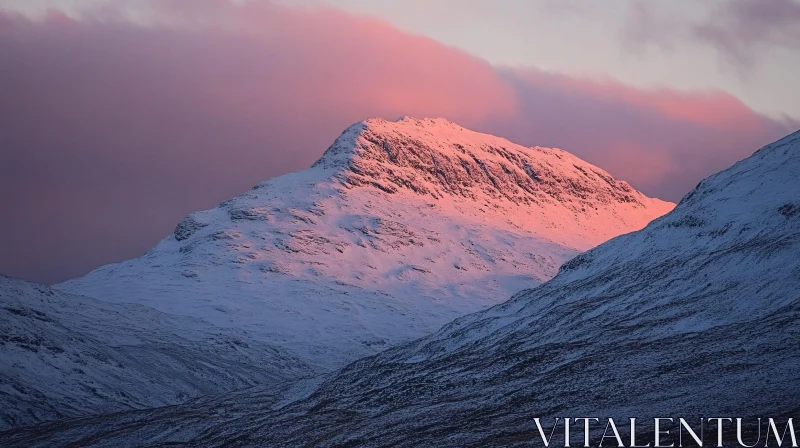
65, 355
697, 314
397, 229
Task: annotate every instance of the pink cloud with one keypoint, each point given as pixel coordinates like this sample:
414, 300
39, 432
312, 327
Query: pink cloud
663, 141
714, 109
113, 131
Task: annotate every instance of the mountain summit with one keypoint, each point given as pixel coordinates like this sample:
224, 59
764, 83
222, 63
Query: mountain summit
398, 228
441, 161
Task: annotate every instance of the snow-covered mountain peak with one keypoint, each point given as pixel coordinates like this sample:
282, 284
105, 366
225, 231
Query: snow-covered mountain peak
439, 159
398, 228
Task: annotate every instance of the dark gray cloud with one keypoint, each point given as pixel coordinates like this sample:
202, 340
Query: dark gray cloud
740, 30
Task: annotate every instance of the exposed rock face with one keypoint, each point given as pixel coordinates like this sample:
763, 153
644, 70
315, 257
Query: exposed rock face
696, 315
187, 228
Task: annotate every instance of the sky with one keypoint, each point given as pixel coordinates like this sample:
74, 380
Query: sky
118, 118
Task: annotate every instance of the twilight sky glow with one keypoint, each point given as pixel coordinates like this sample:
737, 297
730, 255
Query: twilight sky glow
120, 117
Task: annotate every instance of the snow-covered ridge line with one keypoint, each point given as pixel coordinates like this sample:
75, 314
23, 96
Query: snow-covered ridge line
65, 355
439, 158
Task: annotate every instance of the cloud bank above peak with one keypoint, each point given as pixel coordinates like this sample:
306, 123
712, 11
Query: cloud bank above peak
119, 123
